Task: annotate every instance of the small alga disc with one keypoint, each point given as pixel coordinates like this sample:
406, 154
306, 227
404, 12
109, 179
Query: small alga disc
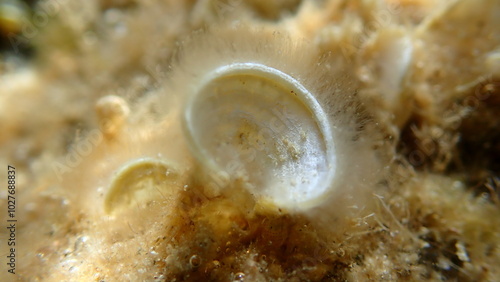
140, 182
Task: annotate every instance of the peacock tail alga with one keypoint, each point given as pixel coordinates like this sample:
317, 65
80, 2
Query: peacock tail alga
249, 140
